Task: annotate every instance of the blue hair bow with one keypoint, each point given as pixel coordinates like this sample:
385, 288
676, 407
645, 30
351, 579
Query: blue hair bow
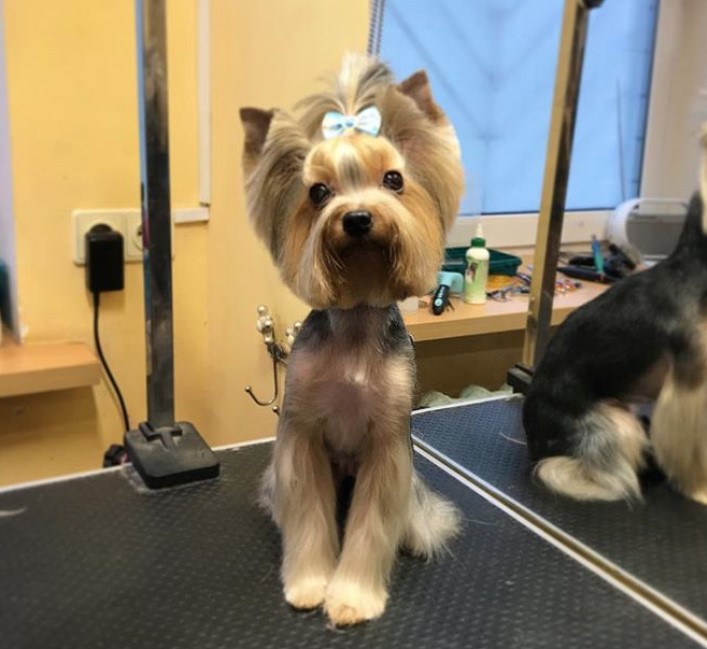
366, 121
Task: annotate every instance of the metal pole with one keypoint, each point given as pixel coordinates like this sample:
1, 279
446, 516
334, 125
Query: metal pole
375, 27
557, 168
163, 452
156, 208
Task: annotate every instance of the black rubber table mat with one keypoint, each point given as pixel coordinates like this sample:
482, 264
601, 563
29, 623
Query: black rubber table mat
93, 563
662, 542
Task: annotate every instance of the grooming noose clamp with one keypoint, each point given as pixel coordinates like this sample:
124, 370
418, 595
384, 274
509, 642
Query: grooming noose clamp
278, 353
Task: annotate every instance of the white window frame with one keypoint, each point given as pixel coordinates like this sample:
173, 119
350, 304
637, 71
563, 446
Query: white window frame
672, 153
520, 229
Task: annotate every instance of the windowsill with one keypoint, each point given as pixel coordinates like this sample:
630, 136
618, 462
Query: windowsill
33, 368
503, 231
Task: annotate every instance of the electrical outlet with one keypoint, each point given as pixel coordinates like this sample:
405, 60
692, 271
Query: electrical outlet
83, 220
128, 222
133, 236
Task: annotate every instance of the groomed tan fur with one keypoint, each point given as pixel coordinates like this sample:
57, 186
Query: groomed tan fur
354, 223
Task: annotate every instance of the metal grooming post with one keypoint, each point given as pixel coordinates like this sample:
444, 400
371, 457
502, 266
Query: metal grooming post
165, 453
375, 27
156, 208
552, 204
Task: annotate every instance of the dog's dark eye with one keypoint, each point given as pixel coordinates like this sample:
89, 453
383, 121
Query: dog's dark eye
393, 180
319, 193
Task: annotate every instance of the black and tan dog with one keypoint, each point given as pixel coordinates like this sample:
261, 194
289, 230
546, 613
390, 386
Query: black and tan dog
353, 198
644, 340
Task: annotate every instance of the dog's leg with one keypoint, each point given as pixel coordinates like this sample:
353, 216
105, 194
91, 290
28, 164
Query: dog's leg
431, 523
374, 527
610, 450
304, 507
678, 433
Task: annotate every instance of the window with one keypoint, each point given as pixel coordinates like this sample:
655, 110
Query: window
492, 68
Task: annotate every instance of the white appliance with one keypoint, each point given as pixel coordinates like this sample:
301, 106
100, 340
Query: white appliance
647, 228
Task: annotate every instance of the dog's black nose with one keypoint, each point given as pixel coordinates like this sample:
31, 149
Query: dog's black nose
357, 223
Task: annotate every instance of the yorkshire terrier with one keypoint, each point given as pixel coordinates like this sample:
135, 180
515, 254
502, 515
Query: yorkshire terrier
353, 198
642, 341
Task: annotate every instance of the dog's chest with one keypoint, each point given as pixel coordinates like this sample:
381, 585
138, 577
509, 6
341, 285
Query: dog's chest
349, 391
344, 384
350, 375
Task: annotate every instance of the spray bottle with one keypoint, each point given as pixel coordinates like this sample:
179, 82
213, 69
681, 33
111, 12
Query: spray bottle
477, 269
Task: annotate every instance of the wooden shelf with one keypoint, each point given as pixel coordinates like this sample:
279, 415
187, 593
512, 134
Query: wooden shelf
492, 317
32, 368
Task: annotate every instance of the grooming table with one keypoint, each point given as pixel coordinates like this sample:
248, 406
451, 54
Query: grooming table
657, 548
98, 561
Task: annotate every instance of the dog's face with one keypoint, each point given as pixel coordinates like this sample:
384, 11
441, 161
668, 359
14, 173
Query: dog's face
357, 218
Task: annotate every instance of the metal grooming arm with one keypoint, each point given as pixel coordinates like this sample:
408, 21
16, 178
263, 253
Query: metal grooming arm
164, 452
552, 204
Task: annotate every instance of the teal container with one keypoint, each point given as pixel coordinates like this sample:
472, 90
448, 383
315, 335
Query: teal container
500, 263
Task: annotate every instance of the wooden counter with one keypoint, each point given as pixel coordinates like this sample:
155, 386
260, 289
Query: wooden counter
31, 368
492, 317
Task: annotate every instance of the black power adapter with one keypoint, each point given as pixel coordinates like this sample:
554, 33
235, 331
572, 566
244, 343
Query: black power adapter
104, 272
104, 259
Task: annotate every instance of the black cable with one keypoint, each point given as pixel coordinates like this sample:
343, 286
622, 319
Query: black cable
97, 340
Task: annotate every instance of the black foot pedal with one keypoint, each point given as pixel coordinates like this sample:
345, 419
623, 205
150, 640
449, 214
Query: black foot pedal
519, 378
170, 455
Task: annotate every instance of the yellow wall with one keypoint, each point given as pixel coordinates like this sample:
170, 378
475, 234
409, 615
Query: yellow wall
73, 119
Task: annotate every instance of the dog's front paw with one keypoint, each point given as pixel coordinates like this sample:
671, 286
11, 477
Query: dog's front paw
307, 592
348, 603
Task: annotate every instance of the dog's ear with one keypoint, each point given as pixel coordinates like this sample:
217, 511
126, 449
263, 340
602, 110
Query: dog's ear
417, 87
273, 159
256, 124
420, 130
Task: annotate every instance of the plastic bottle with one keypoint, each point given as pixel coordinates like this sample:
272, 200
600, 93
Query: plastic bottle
477, 269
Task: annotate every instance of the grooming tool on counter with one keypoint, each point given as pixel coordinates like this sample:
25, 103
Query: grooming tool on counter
579, 272
593, 267
505, 294
525, 278
596, 253
447, 283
